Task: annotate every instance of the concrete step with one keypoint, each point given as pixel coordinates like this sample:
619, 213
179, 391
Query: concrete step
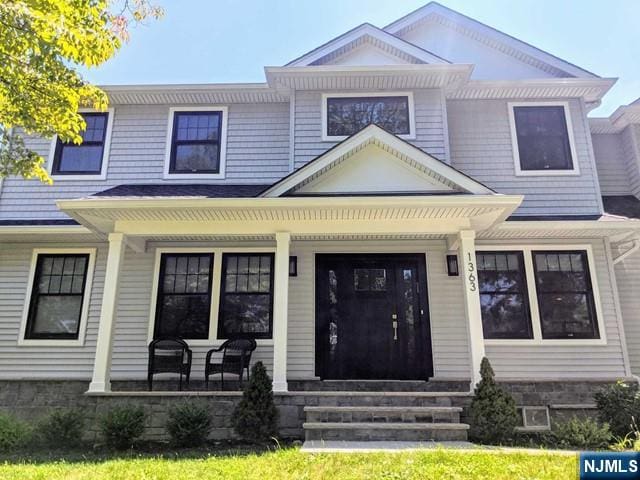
372, 431
379, 414
388, 399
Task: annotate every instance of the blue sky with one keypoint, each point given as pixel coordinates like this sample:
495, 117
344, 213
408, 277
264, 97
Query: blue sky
212, 41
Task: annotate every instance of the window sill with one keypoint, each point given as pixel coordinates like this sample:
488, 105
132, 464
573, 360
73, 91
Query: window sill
545, 343
32, 342
193, 176
547, 173
92, 176
340, 138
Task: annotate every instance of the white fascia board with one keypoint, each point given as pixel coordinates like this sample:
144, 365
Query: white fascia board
44, 230
489, 32
551, 225
171, 87
366, 29
369, 133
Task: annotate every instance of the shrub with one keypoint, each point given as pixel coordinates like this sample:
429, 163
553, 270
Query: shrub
189, 424
581, 433
13, 433
256, 417
493, 411
619, 406
121, 426
62, 428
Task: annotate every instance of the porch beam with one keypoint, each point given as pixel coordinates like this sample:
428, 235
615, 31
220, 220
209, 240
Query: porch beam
472, 310
101, 380
280, 311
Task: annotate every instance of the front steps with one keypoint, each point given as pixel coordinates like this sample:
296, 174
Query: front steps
431, 422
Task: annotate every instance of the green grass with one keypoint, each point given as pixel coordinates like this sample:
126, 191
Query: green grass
290, 463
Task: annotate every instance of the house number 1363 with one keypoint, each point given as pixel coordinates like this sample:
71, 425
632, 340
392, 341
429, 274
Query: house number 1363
471, 268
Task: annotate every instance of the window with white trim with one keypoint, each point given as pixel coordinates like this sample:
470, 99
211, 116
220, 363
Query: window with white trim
542, 139
57, 296
87, 157
565, 294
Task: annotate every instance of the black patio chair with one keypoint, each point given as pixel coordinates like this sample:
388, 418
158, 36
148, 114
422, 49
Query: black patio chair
169, 355
236, 358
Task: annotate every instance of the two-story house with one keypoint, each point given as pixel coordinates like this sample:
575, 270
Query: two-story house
380, 214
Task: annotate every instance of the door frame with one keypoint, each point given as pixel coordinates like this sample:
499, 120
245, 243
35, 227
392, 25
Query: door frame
423, 298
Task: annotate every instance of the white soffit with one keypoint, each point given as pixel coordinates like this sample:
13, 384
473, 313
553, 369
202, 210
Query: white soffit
488, 36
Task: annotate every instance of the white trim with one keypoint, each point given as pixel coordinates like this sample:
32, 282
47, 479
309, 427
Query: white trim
105, 151
292, 131
216, 285
86, 299
533, 295
514, 141
223, 144
336, 138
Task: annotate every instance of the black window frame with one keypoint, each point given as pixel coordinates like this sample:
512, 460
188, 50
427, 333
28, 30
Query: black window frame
523, 290
569, 152
160, 290
60, 146
363, 98
590, 295
222, 334
29, 334
175, 142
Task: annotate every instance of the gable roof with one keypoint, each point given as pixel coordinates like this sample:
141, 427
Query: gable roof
160, 190
366, 33
423, 162
490, 36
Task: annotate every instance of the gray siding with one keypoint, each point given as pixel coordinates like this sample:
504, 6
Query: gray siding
308, 142
611, 163
480, 145
257, 152
31, 362
567, 361
630, 143
628, 276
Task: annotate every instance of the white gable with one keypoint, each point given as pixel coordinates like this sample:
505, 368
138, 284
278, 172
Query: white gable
367, 54
373, 169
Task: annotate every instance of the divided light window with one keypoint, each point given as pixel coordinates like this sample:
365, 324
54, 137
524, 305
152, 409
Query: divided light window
543, 138
57, 296
246, 297
565, 295
195, 143
184, 295
349, 115
85, 158
503, 295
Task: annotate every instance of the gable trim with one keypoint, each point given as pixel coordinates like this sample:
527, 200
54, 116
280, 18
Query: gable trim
370, 134
488, 36
343, 40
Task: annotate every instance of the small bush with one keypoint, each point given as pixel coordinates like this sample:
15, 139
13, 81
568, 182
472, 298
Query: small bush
256, 417
121, 426
189, 424
13, 433
62, 428
619, 406
581, 433
493, 410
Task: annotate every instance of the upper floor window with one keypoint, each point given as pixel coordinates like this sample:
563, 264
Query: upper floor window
345, 115
88, 157
196, 143
542, 139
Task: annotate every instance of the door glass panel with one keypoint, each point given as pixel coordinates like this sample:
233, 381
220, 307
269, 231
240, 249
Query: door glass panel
333, 316
407, 301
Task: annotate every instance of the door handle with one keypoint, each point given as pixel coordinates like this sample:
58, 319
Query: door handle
394, 316
395, 329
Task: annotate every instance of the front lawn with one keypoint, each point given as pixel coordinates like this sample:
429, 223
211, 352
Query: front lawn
292, 464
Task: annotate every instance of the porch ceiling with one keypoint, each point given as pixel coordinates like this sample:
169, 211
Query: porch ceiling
304, 217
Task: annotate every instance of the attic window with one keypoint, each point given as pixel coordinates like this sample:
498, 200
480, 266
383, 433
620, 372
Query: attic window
345, 115
542, 139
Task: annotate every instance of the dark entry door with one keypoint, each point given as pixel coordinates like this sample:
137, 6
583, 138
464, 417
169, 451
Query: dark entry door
372, 317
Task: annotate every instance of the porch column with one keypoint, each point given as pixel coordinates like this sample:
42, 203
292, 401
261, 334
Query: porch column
471, 301
280, 311
101, 381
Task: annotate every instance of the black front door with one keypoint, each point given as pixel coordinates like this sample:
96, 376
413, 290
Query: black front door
372, 317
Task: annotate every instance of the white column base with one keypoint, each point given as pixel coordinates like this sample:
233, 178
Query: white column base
281, 386
99, 387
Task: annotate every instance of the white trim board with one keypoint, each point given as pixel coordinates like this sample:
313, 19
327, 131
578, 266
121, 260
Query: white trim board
223, 144
333, 138
105, 152
216, 285
516, 149
86, 299
532, 294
